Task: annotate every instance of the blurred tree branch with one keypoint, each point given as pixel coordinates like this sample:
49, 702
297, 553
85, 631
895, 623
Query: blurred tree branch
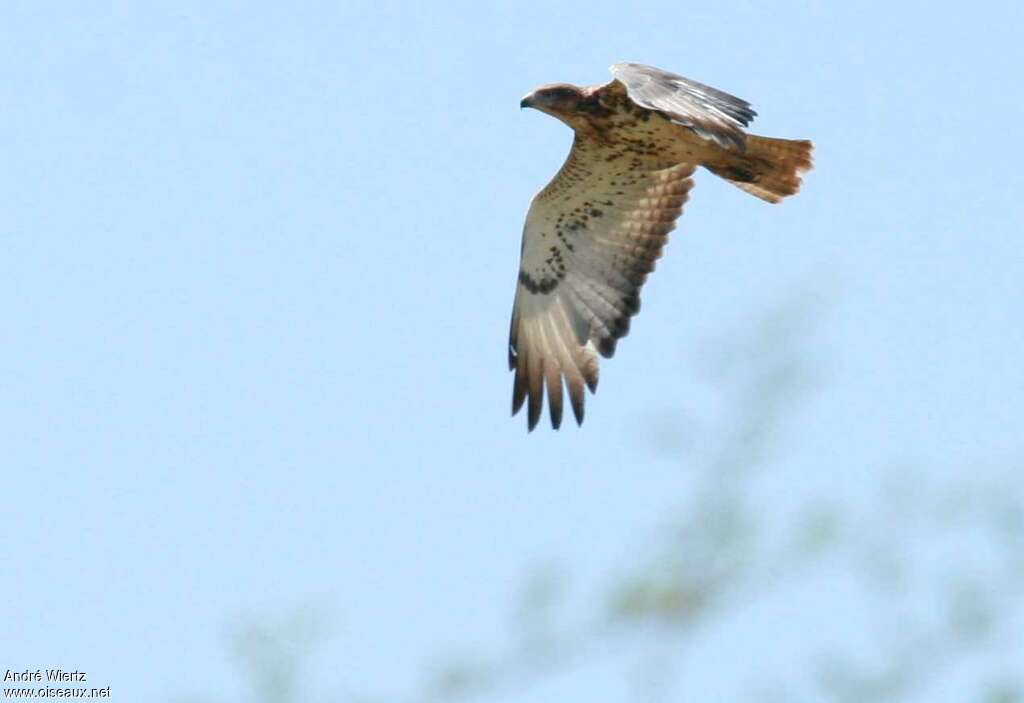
719, 553
272, 652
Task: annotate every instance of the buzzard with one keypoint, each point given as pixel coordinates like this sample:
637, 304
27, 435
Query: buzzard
594, 232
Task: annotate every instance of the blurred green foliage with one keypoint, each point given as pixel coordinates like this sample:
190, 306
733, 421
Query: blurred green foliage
717, 553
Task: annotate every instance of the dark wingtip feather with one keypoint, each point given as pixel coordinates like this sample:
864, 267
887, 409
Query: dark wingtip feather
532, 417
556, 419
554, 379
534, 407
519, 383
518, 394
632, 301
574, 387
606, 347
744, 113
576, 399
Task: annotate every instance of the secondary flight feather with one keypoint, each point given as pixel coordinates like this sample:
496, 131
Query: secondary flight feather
593, 233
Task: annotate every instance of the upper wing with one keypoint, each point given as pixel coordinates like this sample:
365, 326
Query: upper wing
709, 112
590, 239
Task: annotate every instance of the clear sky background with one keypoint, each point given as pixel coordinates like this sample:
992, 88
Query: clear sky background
258, 263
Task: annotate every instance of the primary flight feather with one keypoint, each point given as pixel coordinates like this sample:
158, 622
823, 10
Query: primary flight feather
594, 232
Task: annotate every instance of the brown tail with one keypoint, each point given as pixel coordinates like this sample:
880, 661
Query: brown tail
769, 168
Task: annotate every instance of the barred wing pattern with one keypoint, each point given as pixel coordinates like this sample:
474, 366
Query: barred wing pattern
590, 239
711, 113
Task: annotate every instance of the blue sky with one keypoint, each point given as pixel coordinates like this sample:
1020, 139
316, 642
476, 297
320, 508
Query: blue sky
259, 261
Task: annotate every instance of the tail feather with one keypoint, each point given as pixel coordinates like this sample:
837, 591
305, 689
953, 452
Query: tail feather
769, 168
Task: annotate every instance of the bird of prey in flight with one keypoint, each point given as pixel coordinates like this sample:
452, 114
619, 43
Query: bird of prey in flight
594, 232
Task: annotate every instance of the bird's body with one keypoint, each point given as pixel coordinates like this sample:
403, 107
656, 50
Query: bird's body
594, 232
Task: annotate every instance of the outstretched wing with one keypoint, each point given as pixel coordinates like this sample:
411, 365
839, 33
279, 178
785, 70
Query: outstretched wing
590, 239
710, 113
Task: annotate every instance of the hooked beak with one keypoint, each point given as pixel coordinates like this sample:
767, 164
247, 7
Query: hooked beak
526, 102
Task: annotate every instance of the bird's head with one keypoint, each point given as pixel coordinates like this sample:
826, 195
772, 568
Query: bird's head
559, 100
